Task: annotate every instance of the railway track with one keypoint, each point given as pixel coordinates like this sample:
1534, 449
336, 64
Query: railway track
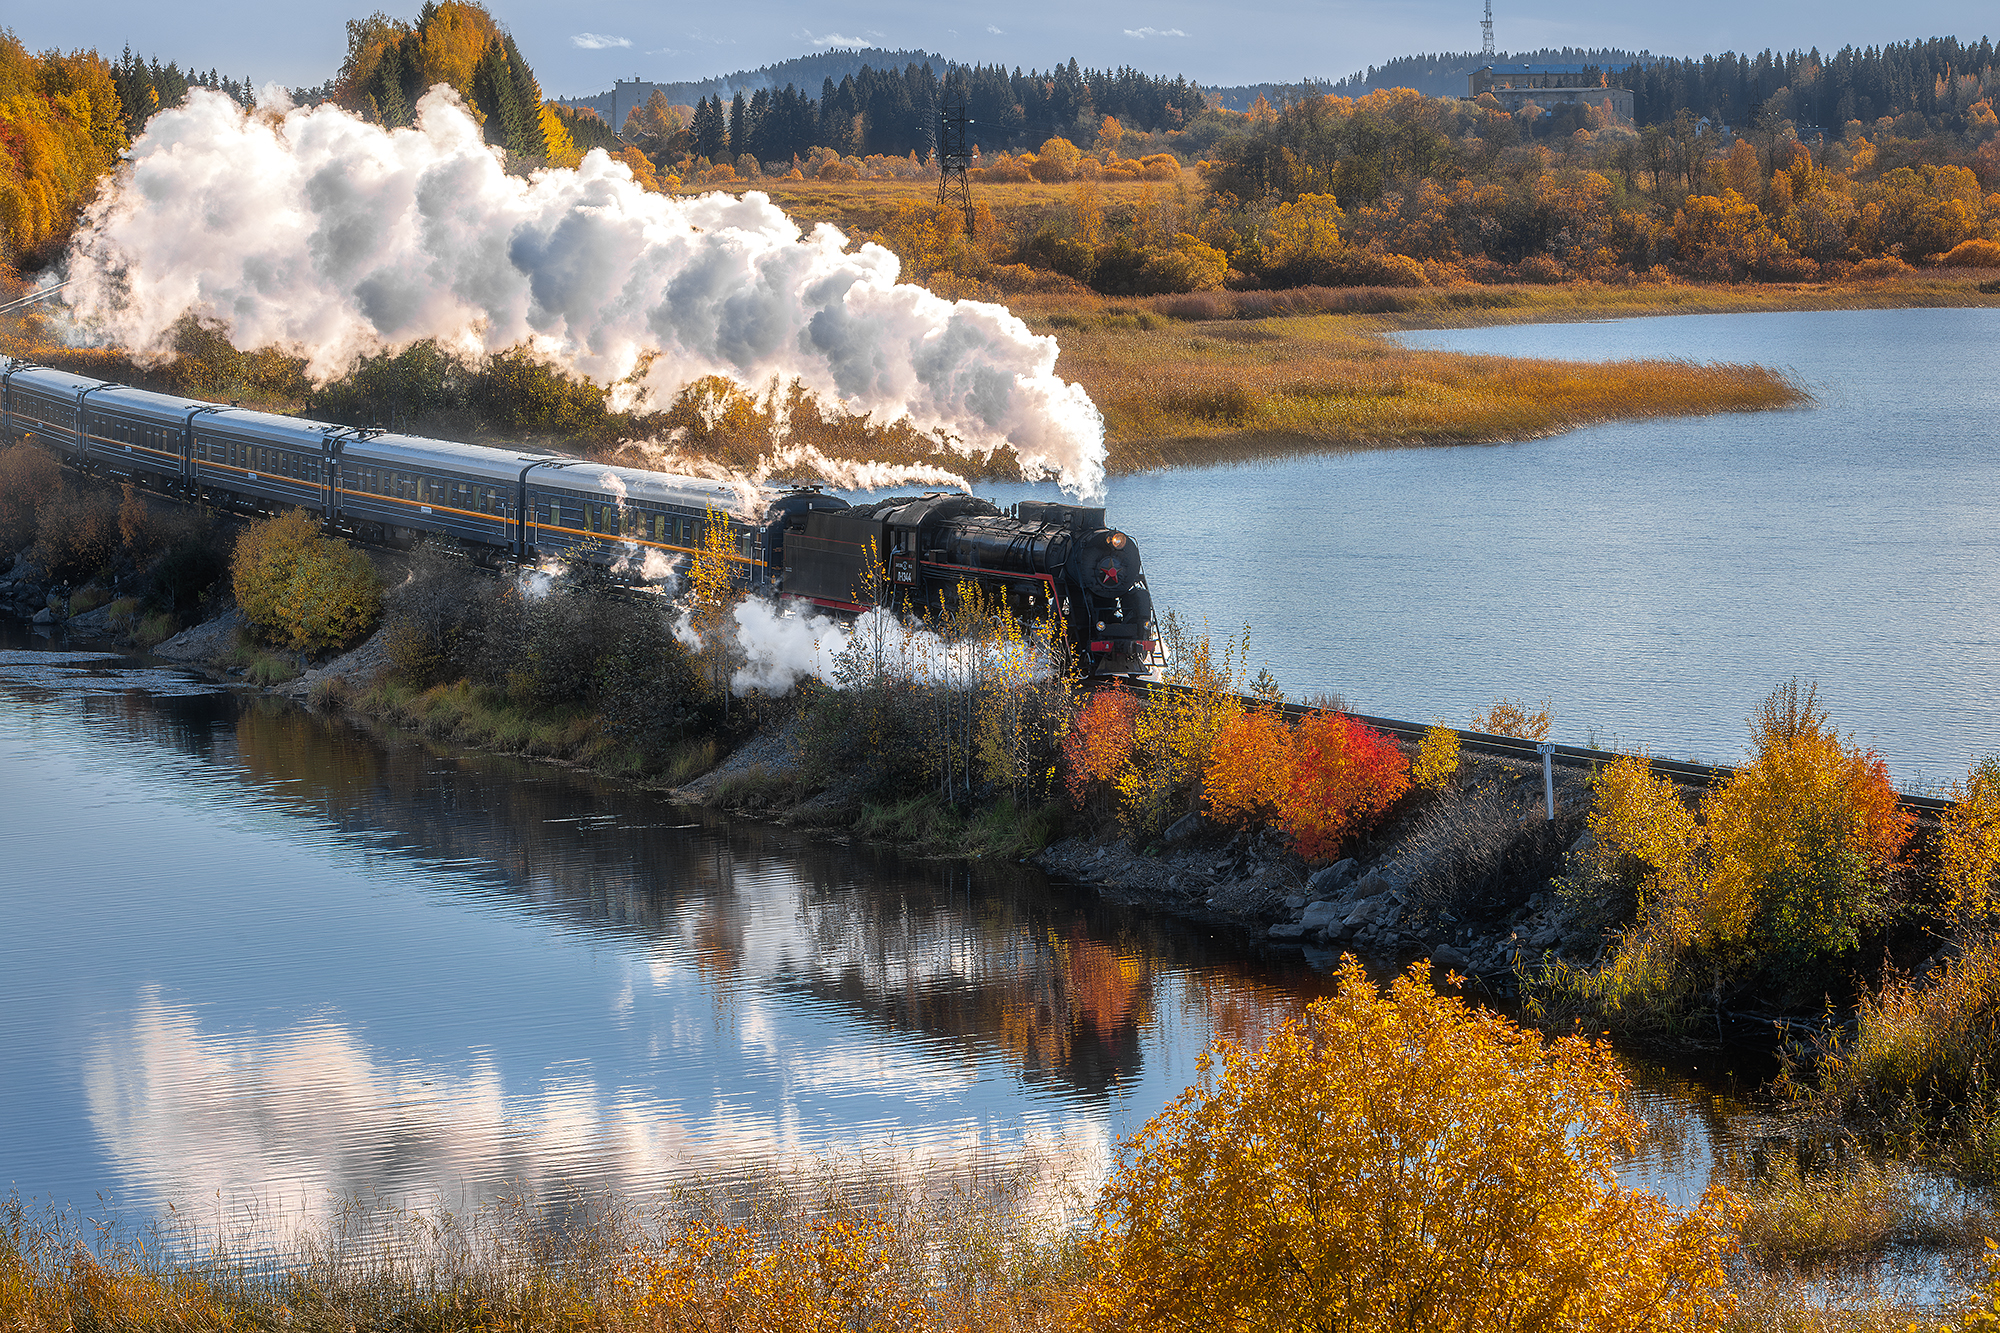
1512, 747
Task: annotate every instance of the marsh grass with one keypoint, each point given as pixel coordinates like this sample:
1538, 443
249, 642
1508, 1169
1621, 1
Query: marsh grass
1920, 1065
153, 630
925, 824
268, 669
1856, 1211
1196, 394
807, 1249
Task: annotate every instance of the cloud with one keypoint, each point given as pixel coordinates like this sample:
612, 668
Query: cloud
1143, 33
995, 31
597, 41
837, 39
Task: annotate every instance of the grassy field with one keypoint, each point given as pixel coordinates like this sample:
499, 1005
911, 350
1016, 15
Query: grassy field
1176, 393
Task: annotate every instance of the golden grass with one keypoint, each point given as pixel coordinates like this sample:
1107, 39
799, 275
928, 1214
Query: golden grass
791, 1251
1856, 1212
1179, 394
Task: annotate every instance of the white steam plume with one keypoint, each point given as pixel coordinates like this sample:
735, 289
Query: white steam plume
782, 646
313, 231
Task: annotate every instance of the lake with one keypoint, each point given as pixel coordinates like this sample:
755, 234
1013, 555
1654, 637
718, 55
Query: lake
255, 961
1655, 579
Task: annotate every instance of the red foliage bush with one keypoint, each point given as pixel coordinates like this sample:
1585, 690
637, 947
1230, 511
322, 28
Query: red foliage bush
1344, 775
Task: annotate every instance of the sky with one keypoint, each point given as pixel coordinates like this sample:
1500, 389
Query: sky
578, 50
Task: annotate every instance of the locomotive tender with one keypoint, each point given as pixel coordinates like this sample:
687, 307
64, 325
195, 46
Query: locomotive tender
911, 553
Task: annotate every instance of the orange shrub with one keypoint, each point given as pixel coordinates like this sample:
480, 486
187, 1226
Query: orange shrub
1098, 744
1249, 769
1975, 253
1344, 776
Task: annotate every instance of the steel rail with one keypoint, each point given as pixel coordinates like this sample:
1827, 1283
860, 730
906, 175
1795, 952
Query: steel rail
1513, 747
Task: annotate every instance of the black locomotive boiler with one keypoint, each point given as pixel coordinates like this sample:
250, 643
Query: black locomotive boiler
915, 552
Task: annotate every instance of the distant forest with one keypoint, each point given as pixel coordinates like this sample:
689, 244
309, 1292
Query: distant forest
803, 72
1440, 75
894, 112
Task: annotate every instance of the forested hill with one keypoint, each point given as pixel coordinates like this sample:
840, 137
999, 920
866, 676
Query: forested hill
1439, 75
803, 72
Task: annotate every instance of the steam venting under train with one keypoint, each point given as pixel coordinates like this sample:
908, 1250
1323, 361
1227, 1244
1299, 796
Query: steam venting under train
912, 553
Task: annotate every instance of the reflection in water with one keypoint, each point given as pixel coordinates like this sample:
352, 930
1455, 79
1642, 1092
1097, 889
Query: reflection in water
300, 960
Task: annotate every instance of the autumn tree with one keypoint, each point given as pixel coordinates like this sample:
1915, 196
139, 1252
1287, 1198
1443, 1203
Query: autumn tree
1969, 859
61, 129
1803, 838
1098, 745
1249, 769
711, 593
1787, 863
1437, 757
1402, 1160
29, 479
1174, 734
300, 590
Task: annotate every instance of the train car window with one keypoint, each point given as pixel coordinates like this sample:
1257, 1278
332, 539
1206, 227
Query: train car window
541, 511
597, 518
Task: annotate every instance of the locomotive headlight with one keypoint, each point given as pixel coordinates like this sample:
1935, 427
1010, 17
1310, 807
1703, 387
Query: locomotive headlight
1100, 624
1118, 541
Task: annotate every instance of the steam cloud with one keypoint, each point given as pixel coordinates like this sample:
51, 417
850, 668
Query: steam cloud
781, 646
310, 230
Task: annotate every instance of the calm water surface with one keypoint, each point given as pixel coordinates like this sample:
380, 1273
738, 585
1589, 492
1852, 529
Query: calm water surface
251, 959
1657, 579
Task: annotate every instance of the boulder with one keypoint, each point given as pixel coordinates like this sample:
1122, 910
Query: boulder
1295, 902
1186, 827
1447, 957
1381, 910
1372, 884
45, 617
1288, 930
1320, 915
1325, 883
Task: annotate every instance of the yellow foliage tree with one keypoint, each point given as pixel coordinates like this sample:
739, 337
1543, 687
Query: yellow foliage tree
1174, 734
1802, 838
1305, 232
1402, 1161
711, 594
60, 130
1969, 855
1790, 854
303, 591
563, 151
1437, 757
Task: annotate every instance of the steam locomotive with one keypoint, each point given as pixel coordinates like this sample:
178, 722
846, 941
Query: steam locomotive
912, 553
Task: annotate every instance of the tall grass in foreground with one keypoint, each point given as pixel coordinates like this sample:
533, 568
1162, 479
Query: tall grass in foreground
797, 1252
1921, 1064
